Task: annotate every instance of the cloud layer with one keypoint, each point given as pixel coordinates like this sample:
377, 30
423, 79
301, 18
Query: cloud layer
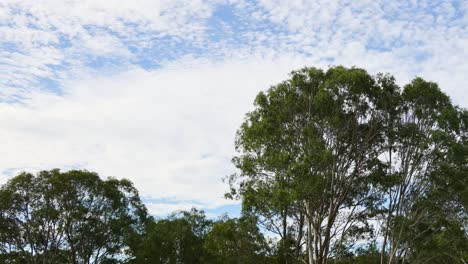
154, 91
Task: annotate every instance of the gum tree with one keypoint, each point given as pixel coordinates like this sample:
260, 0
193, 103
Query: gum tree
69, 217
314, 141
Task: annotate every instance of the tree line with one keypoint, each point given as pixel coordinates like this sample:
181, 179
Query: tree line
76, 217
334, 166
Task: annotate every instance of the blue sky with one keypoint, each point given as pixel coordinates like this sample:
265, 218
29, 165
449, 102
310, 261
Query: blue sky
154, 91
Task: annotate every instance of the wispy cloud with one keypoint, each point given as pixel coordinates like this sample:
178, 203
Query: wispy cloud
154, 90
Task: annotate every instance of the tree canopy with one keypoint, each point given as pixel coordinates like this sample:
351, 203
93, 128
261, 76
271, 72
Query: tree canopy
69, 217
333, 158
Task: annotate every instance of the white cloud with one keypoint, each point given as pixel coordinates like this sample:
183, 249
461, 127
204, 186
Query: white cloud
41, 35
171, 129
407, 39
164, 209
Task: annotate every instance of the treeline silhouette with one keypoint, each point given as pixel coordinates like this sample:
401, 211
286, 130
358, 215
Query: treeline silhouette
334, 166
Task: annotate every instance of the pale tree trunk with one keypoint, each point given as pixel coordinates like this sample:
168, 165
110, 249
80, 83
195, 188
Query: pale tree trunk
390, 209
310, 237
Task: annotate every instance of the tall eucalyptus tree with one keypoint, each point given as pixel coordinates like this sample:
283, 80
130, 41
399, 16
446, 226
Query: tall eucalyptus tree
313, 142
328, 156
426, 151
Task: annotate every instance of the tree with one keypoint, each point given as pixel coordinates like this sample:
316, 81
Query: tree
314, 141
236, 241
176, 239
340, 148
72, 217
425, 151
189, 237
276, 212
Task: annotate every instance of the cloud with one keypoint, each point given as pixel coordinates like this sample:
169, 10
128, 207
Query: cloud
405, 38
169, 131
52, 39
165, 209
154, 91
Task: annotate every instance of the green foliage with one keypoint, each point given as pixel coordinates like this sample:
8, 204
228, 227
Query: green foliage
177, 239
72, 217
189, 237
310, 148
428, 172
341, 147
236, 241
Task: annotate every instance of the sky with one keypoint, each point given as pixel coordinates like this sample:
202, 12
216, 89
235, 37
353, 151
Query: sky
154, 90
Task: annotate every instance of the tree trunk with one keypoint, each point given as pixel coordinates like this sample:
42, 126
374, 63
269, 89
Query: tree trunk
310, 249
297, 249
285, 236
